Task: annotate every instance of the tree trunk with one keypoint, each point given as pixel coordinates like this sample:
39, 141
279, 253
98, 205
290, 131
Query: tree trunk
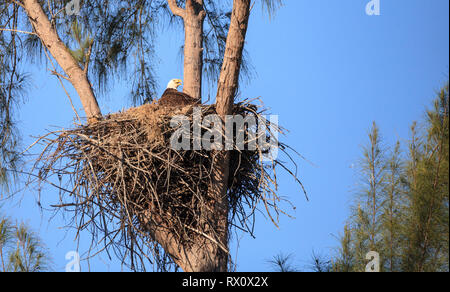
193, 17
210, 254
231, 67
193, 48
198, 257
49, 37
226, 92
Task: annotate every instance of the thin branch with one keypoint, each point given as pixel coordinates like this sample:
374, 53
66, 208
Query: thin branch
59, 76
17, 3
18, 31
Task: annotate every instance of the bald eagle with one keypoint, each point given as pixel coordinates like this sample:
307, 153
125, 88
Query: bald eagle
174, 98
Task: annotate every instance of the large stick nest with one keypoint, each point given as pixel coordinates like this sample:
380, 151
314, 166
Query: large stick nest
119, 176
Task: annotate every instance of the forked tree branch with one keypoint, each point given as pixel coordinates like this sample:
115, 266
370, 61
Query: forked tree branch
176, 10
195, 7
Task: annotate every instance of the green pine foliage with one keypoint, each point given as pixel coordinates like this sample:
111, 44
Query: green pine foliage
394, 206
13, 84
346, 260
427, 219
83, 42
402, 207
21, 249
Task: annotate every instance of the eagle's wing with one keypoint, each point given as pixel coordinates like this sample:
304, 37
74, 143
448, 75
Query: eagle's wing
172, 97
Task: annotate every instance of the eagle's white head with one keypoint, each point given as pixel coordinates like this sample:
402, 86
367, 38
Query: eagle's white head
174, 84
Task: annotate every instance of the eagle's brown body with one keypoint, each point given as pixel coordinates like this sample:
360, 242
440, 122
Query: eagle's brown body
174, 98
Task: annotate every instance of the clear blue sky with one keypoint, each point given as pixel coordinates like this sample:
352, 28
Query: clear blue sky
328, 70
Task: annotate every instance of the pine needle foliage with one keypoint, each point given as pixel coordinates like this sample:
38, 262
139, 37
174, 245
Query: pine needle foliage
403, 213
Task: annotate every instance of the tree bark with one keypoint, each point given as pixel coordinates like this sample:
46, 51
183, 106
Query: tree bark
76, 75
193, 17
210, 254
226, 92
198, 257
231, 67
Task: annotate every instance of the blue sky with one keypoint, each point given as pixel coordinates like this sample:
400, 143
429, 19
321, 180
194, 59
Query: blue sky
328, 70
